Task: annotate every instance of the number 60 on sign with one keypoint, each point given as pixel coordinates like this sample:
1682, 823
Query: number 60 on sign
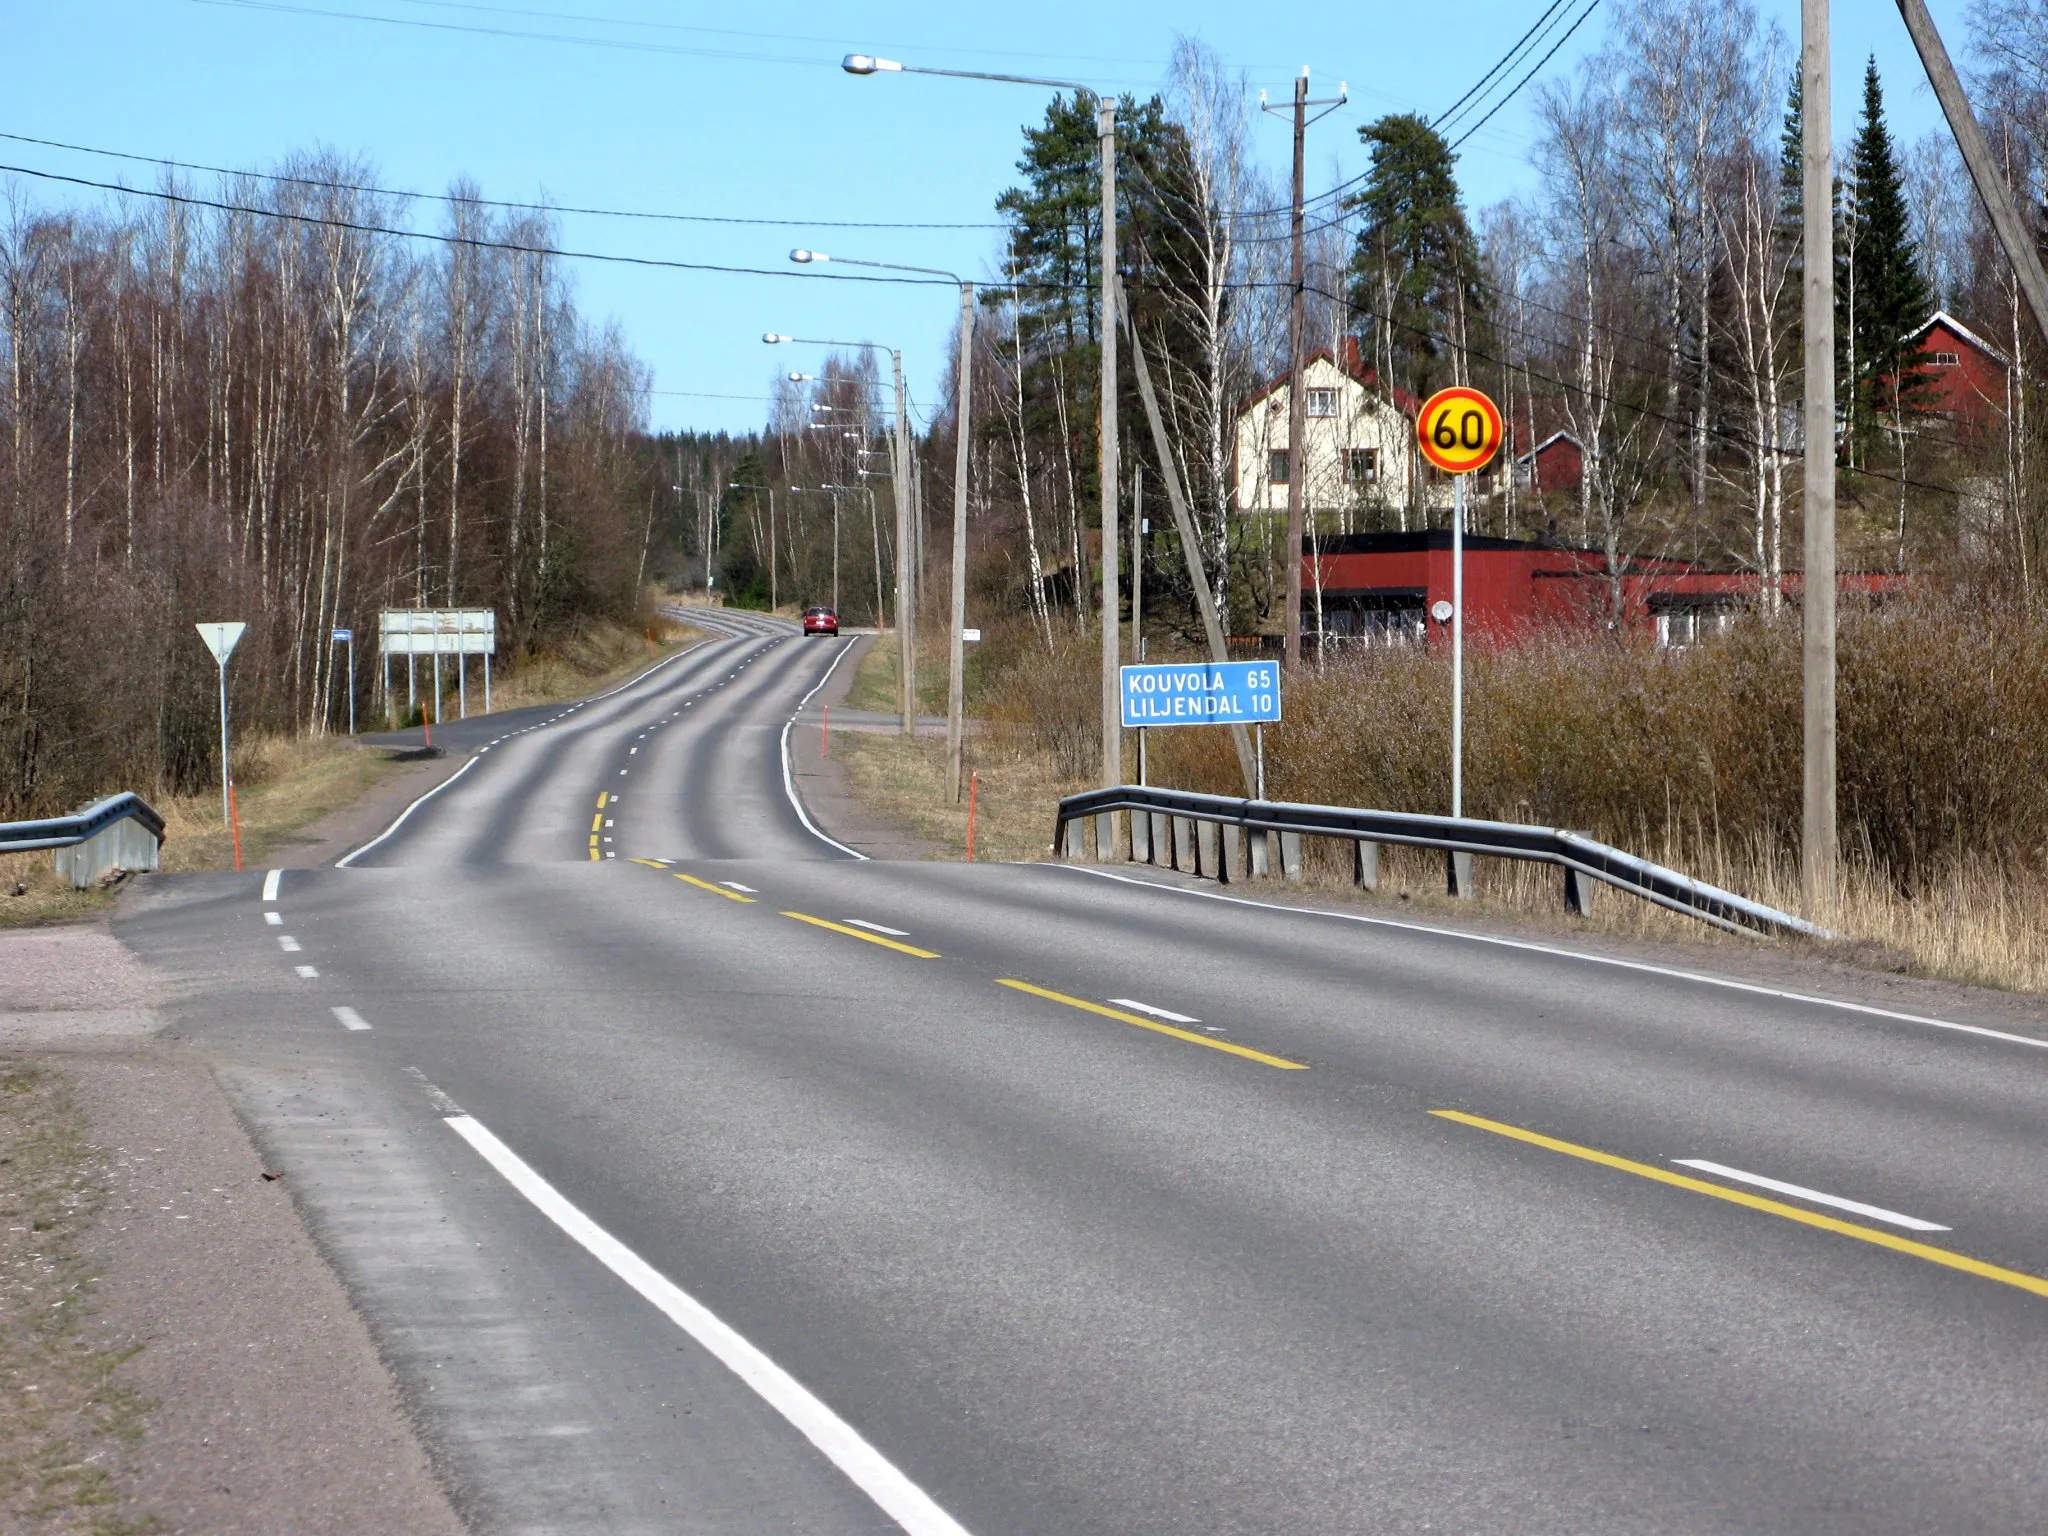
1459, 430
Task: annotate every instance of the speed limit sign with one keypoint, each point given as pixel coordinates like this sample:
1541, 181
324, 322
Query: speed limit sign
1459, 429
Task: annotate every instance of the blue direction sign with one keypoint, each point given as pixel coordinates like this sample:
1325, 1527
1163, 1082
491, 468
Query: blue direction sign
1201, 693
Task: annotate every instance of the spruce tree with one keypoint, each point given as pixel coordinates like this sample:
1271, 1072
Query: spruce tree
1884, 298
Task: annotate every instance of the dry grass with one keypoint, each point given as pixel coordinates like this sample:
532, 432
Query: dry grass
874, 685
66, 1426
904, 780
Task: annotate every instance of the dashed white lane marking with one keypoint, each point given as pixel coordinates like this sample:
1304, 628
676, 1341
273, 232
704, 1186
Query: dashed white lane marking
869, 1470
1158, 1013
270, 884
287, 943
609, 822
1800, 1191
734, 885
860, 922
273, 918
350, 1019
622, 773
307, 972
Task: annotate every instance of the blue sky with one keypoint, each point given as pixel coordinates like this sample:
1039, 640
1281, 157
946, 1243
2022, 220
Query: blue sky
743, 112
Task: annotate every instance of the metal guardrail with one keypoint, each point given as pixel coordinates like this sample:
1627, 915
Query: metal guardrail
121, 832
1181, 827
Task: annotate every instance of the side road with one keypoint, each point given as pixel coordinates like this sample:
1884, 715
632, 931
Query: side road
208, 1374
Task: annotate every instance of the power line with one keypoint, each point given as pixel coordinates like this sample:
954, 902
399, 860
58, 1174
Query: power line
1504, 61
481, 202
1591, 6
478, 242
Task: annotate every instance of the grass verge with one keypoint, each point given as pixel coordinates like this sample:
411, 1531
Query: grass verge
67, 1427
903, 780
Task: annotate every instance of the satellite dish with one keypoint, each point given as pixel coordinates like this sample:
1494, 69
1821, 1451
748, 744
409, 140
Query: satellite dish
1441, 611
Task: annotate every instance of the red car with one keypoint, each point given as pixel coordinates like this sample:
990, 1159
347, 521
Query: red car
820, 621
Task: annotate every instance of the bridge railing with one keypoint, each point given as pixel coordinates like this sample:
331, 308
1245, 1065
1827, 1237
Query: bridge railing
121, 832
1231, 839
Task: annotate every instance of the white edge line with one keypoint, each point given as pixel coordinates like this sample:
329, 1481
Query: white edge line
350, 1019
307, 972
270, 884
350, 857
789, 784
1875, 1212
861, 922
897, 1496
1754, 989
1158, 1013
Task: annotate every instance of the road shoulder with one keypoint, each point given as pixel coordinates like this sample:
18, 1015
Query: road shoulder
229, 1385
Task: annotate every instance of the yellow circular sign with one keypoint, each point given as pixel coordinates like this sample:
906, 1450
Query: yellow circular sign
1460, 430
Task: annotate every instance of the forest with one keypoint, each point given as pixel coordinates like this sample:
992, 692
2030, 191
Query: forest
265, 402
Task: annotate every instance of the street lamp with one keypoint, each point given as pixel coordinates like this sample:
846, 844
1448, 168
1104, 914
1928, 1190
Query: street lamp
955, 649
906, 598
1105, 127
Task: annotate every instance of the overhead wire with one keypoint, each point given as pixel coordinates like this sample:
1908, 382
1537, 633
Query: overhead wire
477, 241
1591, 6
481, 202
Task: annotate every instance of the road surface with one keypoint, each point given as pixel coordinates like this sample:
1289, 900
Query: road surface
696, 1174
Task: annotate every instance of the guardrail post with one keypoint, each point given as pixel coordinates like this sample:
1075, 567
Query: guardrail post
1578, 892
1290, 857
1365, 865
1162, 838
1262, 853
1230, 867
1183, 845
1458, 873
1205, 850
1105, 837
1070, 838
1141, 837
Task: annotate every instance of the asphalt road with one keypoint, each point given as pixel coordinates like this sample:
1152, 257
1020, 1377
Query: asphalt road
707, 1177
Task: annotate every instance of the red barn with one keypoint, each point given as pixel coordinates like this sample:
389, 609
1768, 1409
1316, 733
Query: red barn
1965, 378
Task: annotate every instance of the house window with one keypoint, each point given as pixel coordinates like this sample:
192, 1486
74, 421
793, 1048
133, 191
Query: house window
1322, 402
1948, 360
1362, 466
1276, 466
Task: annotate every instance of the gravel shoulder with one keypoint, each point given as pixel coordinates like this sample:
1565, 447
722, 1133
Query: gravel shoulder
216, 1379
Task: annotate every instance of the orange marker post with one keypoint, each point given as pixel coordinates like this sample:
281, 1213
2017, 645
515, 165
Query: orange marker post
973, 789
235, 821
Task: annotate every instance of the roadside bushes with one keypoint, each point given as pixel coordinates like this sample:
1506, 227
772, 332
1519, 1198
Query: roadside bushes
1692, 755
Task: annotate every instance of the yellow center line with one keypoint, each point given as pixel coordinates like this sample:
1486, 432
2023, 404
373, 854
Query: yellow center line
602, 796
597, 821
1155, 1026
650, 863
872, 938
706, 885
1927, 1251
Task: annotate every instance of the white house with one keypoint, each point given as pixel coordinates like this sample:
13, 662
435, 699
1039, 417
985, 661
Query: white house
1360, 447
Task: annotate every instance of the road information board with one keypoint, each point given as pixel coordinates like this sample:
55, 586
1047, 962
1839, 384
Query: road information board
1201, 693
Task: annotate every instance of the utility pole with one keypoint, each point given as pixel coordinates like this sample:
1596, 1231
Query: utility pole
1969, 135
906, 603
957, 657
1817, 846
1297, 346
1112, 711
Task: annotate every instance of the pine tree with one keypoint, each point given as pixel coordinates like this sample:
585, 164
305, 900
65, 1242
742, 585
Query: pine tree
1881, 294
1416, 266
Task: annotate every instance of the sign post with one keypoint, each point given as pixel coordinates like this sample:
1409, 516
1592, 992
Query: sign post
221, 640
1459, 431
347, 637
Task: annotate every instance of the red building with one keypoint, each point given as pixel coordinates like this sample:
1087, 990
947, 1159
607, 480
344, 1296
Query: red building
1964, 378
1383, 588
